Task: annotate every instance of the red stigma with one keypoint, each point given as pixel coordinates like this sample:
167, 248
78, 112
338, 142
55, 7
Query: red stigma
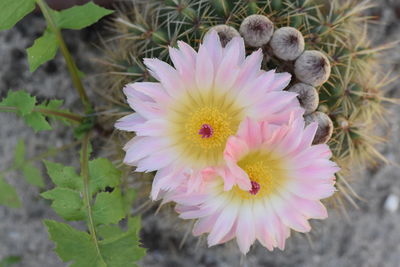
255, 187
206, 131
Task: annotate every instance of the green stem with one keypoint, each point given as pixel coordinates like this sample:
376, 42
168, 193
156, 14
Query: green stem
86, 192
70, 116
73, 70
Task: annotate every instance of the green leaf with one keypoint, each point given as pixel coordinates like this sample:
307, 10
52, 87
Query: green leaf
32, 174
10, 260
122, 250
43, 49
135, 224
55, 105
129, 197
63, 176
19, 157
8, 195
67, 203
102, 174
73, 245
79, 17
108, 208
108, 231
21, 100
37, 121
12, 11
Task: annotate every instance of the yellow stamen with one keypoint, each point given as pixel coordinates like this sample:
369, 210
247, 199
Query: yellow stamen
264, 169
219, 122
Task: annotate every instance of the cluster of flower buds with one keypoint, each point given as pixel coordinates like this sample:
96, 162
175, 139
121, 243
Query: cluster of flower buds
310, 68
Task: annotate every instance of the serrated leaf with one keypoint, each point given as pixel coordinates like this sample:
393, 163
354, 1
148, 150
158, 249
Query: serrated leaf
12, 11
108, 208
8, 195
43, 49
135, 224
73, 245
55, 105
79, 17
122, 250
102, 174
63, 176
67, 203
19, 156
37, 121
109, 231
21, 100
129, 196
32, 175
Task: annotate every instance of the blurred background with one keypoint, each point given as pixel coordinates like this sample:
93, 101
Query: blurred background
366, 235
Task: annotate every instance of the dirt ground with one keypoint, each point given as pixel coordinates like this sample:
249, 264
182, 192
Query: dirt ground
368, 237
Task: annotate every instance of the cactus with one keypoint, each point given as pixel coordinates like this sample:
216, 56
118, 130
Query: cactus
335, 43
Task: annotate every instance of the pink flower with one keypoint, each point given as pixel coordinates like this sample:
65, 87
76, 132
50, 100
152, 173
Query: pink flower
183, 121
286, 177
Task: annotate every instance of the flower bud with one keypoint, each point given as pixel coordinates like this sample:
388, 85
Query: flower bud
325, 126
256, 30
287, 43
225, 33
307, 96
312, 67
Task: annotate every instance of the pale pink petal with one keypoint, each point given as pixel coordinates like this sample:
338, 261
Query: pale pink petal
141, 147
250, 131
167, 75
311, 191
129, 122
310, 208
224, 223
249, 71
263, 231
204, 70
230, 235
289, 216
154, 90
281, 80
204, 225
245, 232
213, 45
154, 127
157, 160
235, 49
274, 103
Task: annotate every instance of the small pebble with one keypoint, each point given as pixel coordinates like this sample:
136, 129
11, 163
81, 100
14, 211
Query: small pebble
391, 203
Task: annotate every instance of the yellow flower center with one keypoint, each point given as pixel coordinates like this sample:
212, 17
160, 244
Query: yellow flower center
265, 172
200, 125
208, 128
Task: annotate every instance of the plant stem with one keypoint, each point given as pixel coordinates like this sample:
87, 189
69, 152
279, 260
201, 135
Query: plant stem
86, 192
70, 116
73, 70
